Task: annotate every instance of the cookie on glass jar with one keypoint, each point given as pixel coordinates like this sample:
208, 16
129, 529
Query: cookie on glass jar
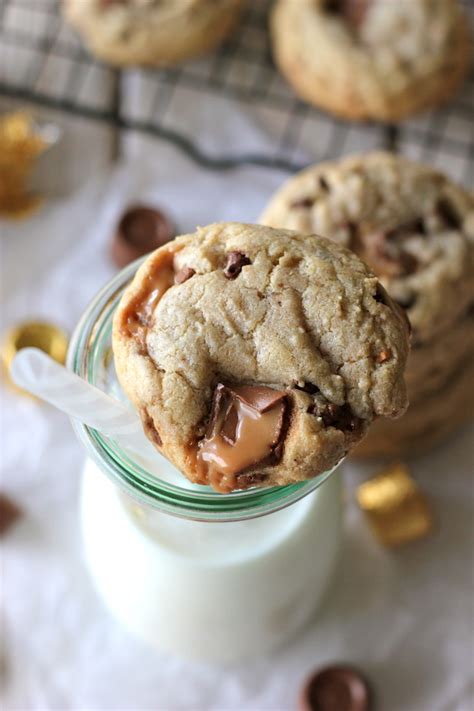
152, 32
256, 356
414, 227
372, 59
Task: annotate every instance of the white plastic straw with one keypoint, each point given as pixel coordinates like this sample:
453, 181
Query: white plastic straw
42, 376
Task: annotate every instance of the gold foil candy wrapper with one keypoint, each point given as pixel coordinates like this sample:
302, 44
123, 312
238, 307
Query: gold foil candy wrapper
395, 507
34, 334
22, 141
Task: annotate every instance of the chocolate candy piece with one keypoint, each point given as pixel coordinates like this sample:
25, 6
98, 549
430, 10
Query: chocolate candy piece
9, 513
235, 262
183, 275
141, 230
336, 688
448, 213
245, 429
381, 296
396, 509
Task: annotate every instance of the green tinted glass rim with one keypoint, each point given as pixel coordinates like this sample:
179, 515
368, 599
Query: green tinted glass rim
85, 357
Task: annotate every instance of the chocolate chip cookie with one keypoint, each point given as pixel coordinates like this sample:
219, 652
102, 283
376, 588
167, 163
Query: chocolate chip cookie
415, 229
157, 32
258, 356
372, 59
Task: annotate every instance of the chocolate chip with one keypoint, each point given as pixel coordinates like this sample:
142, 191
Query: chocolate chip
307, 388
384, 252
334, 6
353, 12
183, 275
408, 263
416, 226
235, 262
336, 688
304, 203
381, 295
323, 184
9, 513
340, 417
448, 213
141, 230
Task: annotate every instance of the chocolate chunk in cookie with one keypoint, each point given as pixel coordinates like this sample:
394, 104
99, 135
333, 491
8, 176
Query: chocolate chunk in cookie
235, 262
245, 428
184, 274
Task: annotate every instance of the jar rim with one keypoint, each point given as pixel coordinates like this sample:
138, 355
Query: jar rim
85, 357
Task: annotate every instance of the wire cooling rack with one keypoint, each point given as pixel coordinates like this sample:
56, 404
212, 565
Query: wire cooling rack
43, 61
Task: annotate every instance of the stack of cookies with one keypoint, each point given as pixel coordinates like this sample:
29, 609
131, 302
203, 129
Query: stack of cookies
415, 229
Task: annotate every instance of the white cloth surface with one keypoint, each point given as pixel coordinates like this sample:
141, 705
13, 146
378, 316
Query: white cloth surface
405, 617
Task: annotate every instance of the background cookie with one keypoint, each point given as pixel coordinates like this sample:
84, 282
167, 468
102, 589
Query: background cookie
415, 228
145, 32
243, 321
371, 59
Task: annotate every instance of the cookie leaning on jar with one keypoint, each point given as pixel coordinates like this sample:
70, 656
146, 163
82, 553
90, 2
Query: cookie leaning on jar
258, 357
372, 59
147, 32
415, 228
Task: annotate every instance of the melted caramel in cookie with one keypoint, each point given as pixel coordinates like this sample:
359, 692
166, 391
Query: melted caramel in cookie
246, 426
137, 316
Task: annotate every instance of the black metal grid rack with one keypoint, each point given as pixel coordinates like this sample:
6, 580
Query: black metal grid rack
42, 61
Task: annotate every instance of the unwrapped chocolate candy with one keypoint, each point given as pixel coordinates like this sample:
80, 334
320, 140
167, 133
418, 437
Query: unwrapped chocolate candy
140, 230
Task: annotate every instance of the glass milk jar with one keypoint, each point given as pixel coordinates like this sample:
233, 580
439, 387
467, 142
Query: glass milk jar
216, 577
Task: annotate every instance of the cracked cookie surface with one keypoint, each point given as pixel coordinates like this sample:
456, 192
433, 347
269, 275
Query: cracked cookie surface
372, 59
415, 228
157, 32
258, 356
